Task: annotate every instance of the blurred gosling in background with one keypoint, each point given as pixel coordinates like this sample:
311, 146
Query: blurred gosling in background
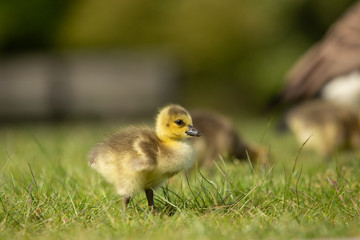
220, 138
325, 126
140, 158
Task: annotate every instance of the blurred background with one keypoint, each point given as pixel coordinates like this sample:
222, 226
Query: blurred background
100, 59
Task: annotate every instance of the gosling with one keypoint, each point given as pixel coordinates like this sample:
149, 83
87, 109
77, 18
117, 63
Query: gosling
140, 158
325, 126
220, 137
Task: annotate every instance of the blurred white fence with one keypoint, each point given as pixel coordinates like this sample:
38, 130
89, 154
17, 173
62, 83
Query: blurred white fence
100, 84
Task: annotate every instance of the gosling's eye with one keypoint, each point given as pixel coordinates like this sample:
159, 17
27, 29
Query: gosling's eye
180, 122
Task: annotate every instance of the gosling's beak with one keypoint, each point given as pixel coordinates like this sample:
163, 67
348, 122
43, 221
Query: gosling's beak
193, 132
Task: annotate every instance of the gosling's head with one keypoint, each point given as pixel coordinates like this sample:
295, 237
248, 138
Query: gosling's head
174, 122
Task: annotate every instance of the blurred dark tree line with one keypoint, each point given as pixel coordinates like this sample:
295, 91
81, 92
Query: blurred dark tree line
30, 25
234, 53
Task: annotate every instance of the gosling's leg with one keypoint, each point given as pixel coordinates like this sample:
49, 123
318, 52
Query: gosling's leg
150, 198
125, 202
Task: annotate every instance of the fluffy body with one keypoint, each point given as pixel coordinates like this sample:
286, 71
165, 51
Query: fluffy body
136, 159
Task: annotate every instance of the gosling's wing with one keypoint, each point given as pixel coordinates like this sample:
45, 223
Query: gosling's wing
337, 54
147, 148
134, 148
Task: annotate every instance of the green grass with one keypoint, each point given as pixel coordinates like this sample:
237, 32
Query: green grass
47, 191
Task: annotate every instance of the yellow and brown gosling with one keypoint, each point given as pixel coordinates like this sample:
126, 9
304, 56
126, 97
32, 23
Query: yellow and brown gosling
141, 158
324, 126
220, 137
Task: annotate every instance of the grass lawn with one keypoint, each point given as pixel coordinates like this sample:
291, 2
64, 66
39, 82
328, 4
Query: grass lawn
47, 191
